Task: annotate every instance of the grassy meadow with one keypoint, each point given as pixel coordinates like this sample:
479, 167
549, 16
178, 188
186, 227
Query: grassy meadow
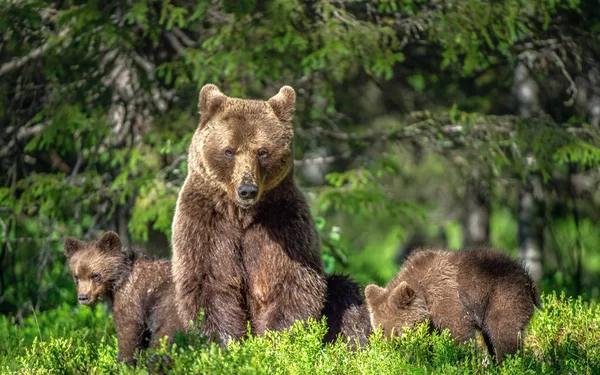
563, 338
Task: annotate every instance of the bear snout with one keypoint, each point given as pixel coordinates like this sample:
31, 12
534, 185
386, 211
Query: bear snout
84, 299
247, 191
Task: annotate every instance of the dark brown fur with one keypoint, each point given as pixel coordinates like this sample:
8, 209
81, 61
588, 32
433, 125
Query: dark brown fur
140, 289
255, 260
346, 312
460, 290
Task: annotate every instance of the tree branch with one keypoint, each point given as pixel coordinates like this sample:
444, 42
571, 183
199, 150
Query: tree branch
433, 127
33, 54
183, 37
176, 44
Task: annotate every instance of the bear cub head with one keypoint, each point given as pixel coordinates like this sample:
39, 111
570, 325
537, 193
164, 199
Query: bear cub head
95, 265
244, 147
395, 310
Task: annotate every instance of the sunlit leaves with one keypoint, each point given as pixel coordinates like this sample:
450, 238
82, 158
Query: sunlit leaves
361, 192
579, 152
472, 32
154, 208
562, 338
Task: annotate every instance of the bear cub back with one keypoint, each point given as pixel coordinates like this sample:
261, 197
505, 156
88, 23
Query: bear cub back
346, 312
463, 291
139, 289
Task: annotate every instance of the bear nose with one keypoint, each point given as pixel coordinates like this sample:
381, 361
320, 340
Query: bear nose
82, 298
248, 191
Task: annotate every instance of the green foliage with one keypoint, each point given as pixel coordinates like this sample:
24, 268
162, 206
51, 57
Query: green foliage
99, 103
153, 207
562, 338
557, 343
360, 192
578, 152
79, 327
577, 239
334, 252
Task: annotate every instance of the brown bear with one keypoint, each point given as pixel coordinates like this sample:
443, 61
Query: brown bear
140, 289
245, 247
463, 291
346, 312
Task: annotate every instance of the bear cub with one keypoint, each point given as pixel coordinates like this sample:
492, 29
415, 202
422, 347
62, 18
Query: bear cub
347, 315
464, 291
140, 289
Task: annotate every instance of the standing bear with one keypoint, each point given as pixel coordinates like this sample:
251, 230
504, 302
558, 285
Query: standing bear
464, 291
245, 247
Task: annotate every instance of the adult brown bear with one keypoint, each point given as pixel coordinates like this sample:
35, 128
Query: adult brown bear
245, 247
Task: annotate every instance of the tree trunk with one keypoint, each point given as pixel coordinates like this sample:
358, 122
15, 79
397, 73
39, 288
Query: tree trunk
531, 227
122, 225
477, 218
531, 206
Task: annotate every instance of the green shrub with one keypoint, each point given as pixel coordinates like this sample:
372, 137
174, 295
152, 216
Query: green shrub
563, 338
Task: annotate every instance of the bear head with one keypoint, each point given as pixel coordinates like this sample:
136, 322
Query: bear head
95, 265
395, 310
244, 147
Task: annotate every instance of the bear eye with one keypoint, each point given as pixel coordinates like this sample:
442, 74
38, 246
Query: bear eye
96, 278
229, 153
262, 153
76, 278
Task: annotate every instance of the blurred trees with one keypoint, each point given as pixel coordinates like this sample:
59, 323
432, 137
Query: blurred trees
412, 116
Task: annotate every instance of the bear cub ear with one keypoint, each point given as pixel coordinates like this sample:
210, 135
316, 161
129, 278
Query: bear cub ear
402, 295
373, 294
211, 98
283, 103
71, 246
109, 241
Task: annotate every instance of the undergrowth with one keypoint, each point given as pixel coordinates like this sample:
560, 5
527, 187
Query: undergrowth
563, 338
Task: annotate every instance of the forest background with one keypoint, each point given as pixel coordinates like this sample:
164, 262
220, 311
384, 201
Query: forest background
418, 123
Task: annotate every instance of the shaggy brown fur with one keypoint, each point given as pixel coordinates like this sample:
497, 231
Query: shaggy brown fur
140, 289
463, 291
244, 244
346, 312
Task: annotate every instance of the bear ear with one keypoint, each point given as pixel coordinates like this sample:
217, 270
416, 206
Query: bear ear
211, 99
374, 294
283, 103
109, 241
402, 295
71, 246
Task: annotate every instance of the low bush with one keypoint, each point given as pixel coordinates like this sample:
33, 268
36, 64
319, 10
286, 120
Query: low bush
563, 338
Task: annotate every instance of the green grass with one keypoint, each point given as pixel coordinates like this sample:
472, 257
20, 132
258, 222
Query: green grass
563, 338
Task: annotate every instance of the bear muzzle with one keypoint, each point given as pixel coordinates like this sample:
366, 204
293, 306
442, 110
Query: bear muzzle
247, 192
84, 299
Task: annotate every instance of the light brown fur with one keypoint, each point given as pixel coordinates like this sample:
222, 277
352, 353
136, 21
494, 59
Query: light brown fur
139, 289
463, 291
238, 259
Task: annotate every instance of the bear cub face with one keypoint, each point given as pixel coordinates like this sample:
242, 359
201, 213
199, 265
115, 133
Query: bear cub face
94, 265
246, 146
395, 310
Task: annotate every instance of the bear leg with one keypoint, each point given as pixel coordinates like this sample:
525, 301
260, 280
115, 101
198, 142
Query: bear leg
285, 271
130, 337
280, 307
505, 324
215, 287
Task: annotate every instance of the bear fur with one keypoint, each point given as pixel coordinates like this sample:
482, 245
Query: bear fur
476, 289
346, 312
140, 290
245, 247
